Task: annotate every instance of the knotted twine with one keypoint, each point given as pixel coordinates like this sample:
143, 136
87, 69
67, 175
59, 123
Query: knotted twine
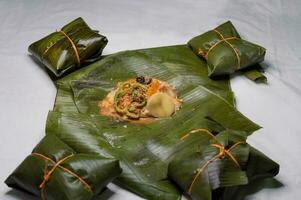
47, 174
223, 39
223, 152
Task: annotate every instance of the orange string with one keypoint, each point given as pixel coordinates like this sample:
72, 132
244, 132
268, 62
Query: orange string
223, 39
47, 175
200, 171
199, 131
222, 153
236, 53
45, 172
73, 47
213, 46
201, 53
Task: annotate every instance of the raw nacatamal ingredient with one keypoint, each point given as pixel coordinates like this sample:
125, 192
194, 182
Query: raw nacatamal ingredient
160, 105
143, 98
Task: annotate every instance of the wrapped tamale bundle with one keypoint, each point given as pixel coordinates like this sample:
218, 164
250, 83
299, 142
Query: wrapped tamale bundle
226, 161
74, 46
225, 51
55, 171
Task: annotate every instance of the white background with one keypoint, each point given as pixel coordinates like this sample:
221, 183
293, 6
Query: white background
27, 93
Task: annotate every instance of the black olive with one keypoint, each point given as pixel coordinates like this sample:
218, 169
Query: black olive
140, 79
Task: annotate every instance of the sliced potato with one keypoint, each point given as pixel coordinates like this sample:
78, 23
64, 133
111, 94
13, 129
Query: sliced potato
160, 105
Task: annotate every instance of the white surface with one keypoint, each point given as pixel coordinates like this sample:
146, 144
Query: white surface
26, 92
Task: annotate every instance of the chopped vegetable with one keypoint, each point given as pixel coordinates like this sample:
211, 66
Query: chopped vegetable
153, 88
130, 98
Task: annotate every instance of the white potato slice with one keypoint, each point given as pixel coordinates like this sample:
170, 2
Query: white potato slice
160, 105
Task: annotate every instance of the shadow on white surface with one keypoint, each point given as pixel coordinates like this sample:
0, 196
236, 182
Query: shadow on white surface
247, 192
42, 67
20, 195
244, 192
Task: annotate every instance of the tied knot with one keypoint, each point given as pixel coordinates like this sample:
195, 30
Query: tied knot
47, 174
222, 39
46, 177
223, 152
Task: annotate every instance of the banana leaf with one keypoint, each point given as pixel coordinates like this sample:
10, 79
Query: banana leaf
225, 51
74, 46
260, 171
142, 172
205, 104
64, 100
145, 152
204, 178
177, 65
205, 100
55, 171
255, 74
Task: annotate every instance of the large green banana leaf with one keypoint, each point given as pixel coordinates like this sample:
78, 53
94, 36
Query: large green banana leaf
143, 150
72, 176
225, 51
143, 172
59, 55
177, 65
